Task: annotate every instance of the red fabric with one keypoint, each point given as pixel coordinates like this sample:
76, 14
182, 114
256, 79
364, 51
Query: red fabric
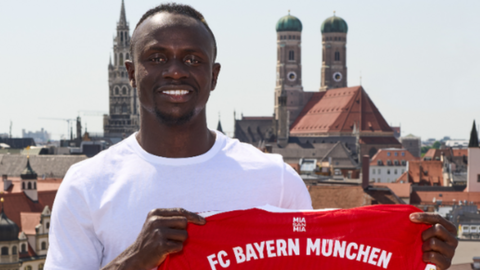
383, 232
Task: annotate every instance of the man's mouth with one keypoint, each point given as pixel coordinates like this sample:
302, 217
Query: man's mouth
175, 92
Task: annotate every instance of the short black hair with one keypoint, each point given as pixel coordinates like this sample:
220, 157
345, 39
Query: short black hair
175, 8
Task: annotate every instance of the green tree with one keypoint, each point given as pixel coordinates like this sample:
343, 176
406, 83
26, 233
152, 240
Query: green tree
436, 145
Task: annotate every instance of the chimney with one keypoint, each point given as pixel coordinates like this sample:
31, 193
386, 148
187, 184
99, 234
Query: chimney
365, 171
6, 183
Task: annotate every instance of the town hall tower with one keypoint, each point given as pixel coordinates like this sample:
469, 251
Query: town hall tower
123, 100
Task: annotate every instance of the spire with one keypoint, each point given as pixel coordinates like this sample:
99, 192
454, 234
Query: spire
123, 17
28, 172
219, 126
473, 136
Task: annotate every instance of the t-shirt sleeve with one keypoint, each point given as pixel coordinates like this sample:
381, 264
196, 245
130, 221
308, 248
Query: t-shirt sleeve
73, 243
295, 193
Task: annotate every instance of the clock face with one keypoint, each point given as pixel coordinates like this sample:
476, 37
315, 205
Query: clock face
337, 76
292, 76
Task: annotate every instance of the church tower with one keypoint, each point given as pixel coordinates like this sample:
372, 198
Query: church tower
288, 89
334, 53
124, 112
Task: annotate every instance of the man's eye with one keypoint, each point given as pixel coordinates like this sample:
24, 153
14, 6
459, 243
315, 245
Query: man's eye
192, 60
158, 59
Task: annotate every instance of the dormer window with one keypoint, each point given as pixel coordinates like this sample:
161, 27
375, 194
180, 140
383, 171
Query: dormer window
379, 162
396, 162
404, 163
389, 162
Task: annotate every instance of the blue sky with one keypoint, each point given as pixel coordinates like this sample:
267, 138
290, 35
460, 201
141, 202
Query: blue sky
419, 60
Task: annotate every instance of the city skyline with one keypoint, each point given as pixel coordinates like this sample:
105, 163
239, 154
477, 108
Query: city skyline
417, 62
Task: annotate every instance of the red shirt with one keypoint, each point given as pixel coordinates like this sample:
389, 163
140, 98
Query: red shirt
370, 237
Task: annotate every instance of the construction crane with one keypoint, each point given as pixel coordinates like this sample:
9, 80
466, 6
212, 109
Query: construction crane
69, 129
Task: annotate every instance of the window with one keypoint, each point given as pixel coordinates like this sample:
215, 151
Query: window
404, 162
403, 154
14, 250
289, 37
379, 162
23, 185
293, 37
40, 266
29, 185
115, 59
395, 171
24, 248
396, 154
4, 250
44, 245
396, 162
388, 171
373, 171
403, 170
121, 36
379, 181
338, 172
124, 90
28, 267
34, 185
337, 56
117, 91
291, 55
388, 153
124, 108
478, 178
121, 60
389, 162
48, 225
335, 38
127, 56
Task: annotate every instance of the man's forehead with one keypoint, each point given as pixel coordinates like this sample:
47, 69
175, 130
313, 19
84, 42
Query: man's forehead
163, 20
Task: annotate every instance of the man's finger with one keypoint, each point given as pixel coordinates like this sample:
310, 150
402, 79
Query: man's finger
440, 261
174, 235
436, 245
191, 217
177, 222
440, 232
432, 219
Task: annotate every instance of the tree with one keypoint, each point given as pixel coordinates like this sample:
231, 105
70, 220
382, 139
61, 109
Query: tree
436, 145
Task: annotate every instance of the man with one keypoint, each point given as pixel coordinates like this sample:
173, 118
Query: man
173, 163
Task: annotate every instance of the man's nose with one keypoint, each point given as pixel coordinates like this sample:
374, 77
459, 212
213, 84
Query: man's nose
175, 69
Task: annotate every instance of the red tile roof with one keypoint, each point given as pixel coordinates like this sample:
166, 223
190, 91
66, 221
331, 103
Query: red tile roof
16, 203
29, 221
379, 140
257, 118
389, 154
447, 197
426, 173
401, 190
42, 185
460, 152
338, 196
339, 110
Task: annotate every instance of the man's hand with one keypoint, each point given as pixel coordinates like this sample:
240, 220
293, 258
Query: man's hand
163, 233
439, 241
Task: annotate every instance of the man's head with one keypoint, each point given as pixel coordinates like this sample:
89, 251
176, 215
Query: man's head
173, 64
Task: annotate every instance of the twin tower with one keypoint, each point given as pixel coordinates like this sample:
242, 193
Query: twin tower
289, 95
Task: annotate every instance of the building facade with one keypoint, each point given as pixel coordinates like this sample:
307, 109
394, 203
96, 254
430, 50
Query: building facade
123, 118
389, 164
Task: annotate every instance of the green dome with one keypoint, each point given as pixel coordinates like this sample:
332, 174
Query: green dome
334, 25
289, 23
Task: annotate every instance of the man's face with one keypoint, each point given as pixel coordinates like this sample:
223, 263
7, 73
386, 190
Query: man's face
173, 68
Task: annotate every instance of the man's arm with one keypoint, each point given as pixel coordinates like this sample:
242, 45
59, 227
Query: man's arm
439, 240
163, 233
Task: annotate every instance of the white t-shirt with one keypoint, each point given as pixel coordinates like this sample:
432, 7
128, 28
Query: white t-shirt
103, 202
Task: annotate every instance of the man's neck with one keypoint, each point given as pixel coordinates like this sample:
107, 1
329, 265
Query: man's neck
179, 141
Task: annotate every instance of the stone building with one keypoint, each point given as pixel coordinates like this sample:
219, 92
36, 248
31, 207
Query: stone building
123, 118
335, 113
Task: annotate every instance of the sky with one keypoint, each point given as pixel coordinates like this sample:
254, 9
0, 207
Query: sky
419, 61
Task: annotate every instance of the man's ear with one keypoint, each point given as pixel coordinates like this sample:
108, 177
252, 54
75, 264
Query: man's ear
215, 72
131, 73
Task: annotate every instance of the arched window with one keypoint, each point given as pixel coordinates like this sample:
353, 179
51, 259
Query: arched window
115, 59
23, 185
124, 108
44, 245
14, 250
121, 60
291, 55
117, 109
29, 185
40, 266
34, 185
24, 248
28, 267
337, 56
124, 90
48, 225
121, 36
4, 250
117, 91
127, 56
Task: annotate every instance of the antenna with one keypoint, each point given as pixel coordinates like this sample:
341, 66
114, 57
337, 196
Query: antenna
10, 128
